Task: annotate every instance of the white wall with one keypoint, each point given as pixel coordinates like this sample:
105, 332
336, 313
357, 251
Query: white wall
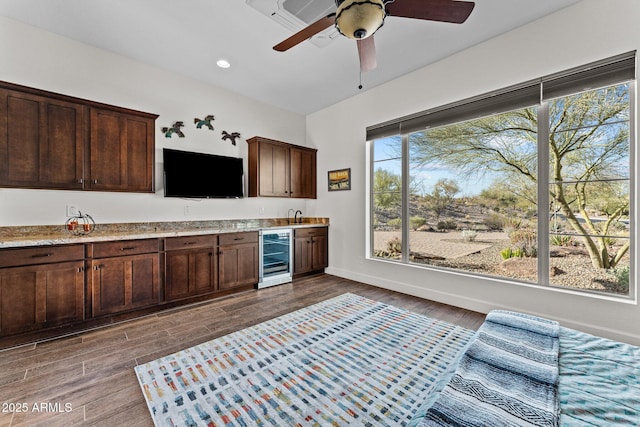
588, 31
44, 60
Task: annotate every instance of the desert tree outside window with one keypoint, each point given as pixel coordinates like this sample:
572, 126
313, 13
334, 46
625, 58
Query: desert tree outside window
532, 183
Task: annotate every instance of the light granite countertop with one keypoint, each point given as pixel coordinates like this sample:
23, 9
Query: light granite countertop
15, 237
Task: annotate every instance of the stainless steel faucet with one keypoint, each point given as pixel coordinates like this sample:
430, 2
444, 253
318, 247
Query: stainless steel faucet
289, 215
295, 217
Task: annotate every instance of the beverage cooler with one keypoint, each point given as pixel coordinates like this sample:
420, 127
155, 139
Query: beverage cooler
276, 257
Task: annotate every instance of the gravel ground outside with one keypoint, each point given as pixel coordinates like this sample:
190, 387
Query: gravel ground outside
570, 267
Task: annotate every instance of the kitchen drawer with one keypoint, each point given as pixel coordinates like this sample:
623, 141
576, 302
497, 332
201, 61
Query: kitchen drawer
310, 232
124, 247
189, 242
40, 255
228, 239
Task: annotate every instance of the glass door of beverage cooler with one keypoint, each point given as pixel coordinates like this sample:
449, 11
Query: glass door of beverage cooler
276, 257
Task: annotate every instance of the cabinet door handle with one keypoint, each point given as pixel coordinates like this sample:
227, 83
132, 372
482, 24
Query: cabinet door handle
41, 255
98, 267
95, 181
81, 181
80, 269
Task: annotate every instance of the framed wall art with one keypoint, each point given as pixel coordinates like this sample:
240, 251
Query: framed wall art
340, 179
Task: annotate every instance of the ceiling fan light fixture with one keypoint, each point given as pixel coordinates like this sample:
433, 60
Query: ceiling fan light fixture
359, 19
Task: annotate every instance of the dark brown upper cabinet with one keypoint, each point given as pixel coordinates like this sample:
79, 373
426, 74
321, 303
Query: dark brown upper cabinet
53, 141
279, 169
41, 141
122, 148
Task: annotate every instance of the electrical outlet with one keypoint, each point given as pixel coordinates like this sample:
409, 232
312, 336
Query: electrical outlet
72, 210
261, 210
187, 210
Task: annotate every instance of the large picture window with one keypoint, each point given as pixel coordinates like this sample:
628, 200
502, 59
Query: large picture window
531, 184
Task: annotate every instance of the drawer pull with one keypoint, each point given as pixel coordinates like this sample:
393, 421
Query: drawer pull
238, 238
190, 243
41, 255
128, 248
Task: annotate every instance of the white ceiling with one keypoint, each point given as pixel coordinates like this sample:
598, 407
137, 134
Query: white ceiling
189, 36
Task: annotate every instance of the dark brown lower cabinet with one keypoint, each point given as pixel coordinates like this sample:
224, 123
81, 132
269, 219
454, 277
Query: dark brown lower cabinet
310, 252
124, 282
191, 266
41, 287
41, 296
79, 285
238, 260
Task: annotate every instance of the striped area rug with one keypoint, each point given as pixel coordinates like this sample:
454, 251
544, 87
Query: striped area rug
345, 361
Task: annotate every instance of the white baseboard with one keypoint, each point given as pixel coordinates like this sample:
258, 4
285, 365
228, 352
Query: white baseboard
481, 306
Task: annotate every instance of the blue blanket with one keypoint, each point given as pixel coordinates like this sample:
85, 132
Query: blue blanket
508, 376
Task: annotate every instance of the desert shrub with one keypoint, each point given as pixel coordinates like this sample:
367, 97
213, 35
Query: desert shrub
525, 239
447, 225
622, 276
512, 253
469, 235
506, 253
494, 222
619, 227
511, 223
561, 240
393, 249
557, 226
417, 222
394, 246
395, 222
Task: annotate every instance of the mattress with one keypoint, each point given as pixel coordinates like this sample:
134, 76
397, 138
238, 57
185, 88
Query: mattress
599, 381
598, 384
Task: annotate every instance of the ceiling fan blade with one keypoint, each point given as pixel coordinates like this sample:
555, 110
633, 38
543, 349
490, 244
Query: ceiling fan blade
452, 11
306, 33
367, 54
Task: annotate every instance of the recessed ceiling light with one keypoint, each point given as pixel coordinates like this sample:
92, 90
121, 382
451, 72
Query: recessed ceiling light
223, 63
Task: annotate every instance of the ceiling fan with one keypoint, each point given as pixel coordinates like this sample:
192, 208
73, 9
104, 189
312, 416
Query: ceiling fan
360, 19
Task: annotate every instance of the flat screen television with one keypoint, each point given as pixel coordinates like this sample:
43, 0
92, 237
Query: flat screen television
203, 176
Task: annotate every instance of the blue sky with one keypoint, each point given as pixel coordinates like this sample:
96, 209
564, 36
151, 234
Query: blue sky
386, 154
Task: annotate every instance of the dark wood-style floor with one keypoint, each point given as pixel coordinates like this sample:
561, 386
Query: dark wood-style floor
88, 379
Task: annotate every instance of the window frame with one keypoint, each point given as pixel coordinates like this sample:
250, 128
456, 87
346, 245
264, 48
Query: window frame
616, 70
